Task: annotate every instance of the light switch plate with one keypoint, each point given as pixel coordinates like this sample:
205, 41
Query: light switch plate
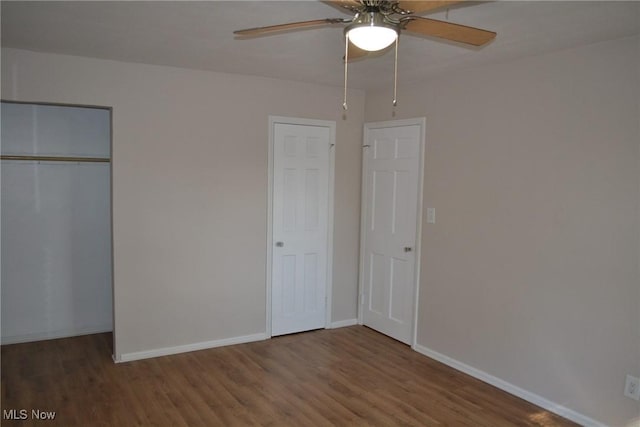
431, 215
632, 387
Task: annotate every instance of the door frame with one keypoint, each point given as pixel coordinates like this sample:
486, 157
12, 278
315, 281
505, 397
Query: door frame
421, 122
273, 121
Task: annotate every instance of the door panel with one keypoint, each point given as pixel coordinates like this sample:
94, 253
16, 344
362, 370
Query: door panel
391, 174
300, 227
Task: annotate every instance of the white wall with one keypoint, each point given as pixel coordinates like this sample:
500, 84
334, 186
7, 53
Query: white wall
56, 223
531, 272
190, 189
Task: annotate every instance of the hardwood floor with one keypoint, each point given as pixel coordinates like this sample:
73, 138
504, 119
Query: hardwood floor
350, 376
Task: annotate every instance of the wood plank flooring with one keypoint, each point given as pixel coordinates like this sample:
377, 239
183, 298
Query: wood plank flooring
345, 377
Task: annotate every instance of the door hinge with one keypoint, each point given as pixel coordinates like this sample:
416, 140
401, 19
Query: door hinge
361, 299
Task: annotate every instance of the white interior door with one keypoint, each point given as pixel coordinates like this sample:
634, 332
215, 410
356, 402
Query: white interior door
301, 169
390, 206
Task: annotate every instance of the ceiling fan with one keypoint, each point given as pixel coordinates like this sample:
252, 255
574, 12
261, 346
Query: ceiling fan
376, 24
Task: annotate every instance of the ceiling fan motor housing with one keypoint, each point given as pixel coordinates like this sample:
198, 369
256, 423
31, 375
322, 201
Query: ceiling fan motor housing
371, 18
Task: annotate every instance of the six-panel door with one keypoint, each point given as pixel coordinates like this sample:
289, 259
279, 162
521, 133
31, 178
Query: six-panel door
300, 225
391, 173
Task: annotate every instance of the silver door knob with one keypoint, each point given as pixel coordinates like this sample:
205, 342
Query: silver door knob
279, 244
408, 249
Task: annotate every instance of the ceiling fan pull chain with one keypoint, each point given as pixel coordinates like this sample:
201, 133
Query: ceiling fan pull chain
346, 62
395, 77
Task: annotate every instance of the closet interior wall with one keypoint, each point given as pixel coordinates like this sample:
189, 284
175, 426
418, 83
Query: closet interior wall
56, 221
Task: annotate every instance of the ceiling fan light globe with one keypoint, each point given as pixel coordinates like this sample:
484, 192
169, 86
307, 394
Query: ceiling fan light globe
372, 38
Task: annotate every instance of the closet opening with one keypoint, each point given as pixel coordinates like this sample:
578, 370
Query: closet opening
56, 221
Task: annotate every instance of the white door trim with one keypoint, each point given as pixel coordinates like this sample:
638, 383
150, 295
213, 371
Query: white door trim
421, 122
273, 120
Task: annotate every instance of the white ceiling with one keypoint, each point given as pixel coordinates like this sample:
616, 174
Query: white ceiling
199, 35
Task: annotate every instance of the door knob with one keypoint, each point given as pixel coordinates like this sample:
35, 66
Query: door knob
408, 249
279, 244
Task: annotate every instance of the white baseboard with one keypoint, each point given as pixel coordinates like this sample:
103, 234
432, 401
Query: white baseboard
52, 335
166, 351
510, 388
343, 323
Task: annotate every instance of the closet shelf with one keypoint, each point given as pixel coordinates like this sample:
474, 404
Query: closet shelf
56, 158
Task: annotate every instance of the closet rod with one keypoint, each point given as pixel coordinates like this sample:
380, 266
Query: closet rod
56, 158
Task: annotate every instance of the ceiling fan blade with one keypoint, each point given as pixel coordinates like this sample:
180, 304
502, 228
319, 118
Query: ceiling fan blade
447, 30
258, 31
419, 6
